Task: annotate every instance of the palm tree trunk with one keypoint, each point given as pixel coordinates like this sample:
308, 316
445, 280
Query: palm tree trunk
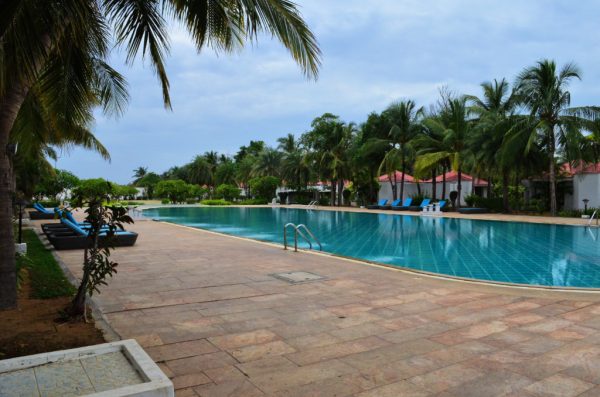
552, 175
489, 186
340, 191
332, 198
443, 182
395, 191
505, 190
10, 104
459, 188
433, 184
402, 182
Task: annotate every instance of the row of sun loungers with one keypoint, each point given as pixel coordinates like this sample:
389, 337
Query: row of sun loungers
399, 205
70, 234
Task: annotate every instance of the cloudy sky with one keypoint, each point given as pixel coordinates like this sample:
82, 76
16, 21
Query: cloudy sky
374, 52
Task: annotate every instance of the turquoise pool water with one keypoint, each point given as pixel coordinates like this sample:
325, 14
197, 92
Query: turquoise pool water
513, 252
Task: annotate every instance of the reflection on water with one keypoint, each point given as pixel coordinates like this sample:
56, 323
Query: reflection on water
552, 255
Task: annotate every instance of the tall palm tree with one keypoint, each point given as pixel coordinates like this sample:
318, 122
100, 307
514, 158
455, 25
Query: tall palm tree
139, 173
41, 40
454, 124
268, 163
495, 117
543, 90
287, 144
405, 120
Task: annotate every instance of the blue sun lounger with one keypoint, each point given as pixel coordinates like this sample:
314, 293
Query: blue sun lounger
41, 212
395, 203
76, 237
377, 206
420, 207
405, 205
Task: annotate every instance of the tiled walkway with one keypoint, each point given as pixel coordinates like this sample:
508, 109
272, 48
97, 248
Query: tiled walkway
207, 308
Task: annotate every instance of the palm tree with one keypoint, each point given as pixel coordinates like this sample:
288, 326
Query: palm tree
543, 91
495, 118
139, 173
42, 44
268, 163
405, 120
287, 144
455, 126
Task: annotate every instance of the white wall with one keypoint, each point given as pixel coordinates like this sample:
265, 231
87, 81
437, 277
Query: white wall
586, 186
410, 189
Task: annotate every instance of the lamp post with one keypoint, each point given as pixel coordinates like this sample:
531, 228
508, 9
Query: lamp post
585, 203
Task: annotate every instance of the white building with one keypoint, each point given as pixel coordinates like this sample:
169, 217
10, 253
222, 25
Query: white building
469, 185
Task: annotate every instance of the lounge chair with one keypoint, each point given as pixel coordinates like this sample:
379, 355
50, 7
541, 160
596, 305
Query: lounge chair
471, 210
377, 206
76, 237
41, 212
441, 204
405, 205
389, 206
420, 207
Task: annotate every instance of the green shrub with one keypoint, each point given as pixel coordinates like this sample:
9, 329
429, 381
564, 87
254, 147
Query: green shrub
324, 200
228, 192
215, 202
165, 201
417, 199
577, 213
175, 190
264, 187
256, 201
471, 199
191, 201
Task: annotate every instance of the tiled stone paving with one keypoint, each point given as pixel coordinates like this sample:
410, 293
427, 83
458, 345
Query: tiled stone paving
71, 378
207, 309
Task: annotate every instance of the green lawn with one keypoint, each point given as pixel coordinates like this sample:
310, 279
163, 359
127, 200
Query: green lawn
46, 276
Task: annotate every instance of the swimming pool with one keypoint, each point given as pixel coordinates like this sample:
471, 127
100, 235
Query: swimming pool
508, 252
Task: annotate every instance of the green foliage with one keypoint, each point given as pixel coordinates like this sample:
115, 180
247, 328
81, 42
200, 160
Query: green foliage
215, 202
47, 278
470, 200
191, 201
124, 191
577, 213
149, 181
47, 203
255, 201
228, 192
494, 204
417, 199
264, 187
175, 190
91, 188
56, 182
165, 201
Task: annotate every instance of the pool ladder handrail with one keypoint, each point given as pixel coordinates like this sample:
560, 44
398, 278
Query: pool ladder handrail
298, 231
312, 204
592, 218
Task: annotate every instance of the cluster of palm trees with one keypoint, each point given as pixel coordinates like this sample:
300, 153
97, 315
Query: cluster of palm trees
503, 135
54, 70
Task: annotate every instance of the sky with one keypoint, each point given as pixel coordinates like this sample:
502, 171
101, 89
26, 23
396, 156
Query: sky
374, 53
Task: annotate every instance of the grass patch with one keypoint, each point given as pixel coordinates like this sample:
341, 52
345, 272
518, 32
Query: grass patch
46, 277
215, 202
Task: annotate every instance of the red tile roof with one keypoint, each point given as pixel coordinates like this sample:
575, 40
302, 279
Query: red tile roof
582, 168
452, 176
386, 178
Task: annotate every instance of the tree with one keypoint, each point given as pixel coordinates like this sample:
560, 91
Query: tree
149, 181
175, 190
495, 117
405, 120
543, 91
454, 126
57, 182
228, 192
139, 173
264, 187
104, 222
268, 162
44, 43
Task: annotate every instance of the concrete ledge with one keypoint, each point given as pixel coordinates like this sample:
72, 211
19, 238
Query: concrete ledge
151, 381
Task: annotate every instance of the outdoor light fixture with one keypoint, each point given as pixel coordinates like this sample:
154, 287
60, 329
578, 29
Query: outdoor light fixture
585, 202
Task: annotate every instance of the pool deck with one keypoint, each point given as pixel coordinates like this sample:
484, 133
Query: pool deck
208, 310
